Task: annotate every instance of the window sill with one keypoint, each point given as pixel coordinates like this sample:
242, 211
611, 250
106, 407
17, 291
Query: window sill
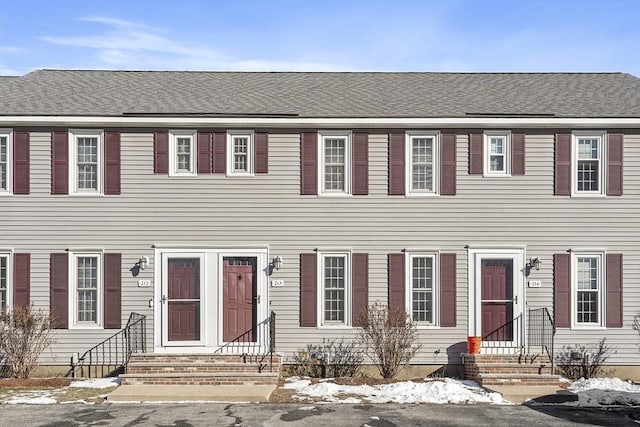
416, 194
325, 194
85, 327
588, 328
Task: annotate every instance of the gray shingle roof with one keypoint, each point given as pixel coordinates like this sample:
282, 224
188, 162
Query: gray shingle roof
116, 93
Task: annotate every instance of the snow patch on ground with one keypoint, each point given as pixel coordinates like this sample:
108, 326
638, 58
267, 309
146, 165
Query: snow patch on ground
445, 390
97, 383
31, 399
605, 392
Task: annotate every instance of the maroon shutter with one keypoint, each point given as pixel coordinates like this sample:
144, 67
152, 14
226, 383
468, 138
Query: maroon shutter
360, 283
448, 306
59, 162
562, 290
517, 154
21, 279
614, 291
563, 164
21, 162
59, 290
309, 163
475, 154
308, 290
112, 291
396, 163
448, 164
112, 162
614, 164
360, 163
396, 281
220, 152
161, 152
261, 147
204, 152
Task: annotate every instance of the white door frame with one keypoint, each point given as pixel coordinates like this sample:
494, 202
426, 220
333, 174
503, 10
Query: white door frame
476, 256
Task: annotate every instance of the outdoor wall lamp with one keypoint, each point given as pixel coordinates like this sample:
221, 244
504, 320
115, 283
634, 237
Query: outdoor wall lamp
534, 263
143, 262
276, 263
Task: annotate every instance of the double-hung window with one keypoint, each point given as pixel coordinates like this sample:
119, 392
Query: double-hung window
588, 163
4, 282
335, 280
497, 154
86, 289
421, 288
182, 158
422, 161
240, 158
86, 161
588, 289
5, 161
335, 163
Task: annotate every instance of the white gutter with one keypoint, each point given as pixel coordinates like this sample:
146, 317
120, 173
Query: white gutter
299, 122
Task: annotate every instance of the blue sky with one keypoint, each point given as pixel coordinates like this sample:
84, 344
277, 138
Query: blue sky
321, 35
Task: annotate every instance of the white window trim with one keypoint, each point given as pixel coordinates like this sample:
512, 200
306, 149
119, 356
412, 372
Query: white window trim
9, 256
347, 291
73, 161
409, 135
486, 150
250, 153
8, 133
173, 152
322, 135
602, 136
409, 256
602, 288
73, 284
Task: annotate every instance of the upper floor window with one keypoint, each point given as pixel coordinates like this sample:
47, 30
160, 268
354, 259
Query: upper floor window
5, 161
240, 153
588, 289
4, 282
86, 161
335, 288
86, 289
588, 163
422, 161
335, 163
182, 160
497, 154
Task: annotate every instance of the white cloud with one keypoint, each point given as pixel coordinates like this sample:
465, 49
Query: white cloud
130, 45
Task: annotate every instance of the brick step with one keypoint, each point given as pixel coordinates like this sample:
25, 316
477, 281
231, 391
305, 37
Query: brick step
518, 379
150, 368
513, 369
199, 378
198, 358
508, 358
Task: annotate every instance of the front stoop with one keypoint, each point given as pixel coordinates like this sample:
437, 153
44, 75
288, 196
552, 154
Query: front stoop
514, 370
200, 370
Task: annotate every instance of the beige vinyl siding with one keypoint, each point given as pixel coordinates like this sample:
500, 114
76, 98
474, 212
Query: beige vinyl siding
219, 211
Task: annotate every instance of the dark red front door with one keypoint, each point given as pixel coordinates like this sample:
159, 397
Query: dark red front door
239, 300
497, 300
183, 299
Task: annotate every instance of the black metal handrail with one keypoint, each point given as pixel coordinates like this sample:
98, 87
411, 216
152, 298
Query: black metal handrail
110, 357
542, 331
256, 344
507, 334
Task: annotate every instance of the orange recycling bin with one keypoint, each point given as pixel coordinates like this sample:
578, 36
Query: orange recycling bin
473, 345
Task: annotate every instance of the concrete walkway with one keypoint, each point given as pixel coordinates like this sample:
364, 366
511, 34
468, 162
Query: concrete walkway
196, 393
540, 393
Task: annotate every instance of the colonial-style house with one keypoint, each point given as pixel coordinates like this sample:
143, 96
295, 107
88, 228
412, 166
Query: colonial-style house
493, 205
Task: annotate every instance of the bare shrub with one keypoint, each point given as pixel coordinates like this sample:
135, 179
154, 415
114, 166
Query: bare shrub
389, 338
332, 358
24, 334
584, 361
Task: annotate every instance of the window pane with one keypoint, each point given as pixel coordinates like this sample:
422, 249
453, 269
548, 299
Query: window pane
587, 297
588, 175
497, 163
183, 153
587, 303
334, 164
3, 163
240, 154
334, 291
588, 148
422, 289
497, 146
87, 288
3, 283
422, 164
87, 163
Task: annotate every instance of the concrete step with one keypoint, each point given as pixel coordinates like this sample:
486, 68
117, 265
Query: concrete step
511, 368
518, 379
